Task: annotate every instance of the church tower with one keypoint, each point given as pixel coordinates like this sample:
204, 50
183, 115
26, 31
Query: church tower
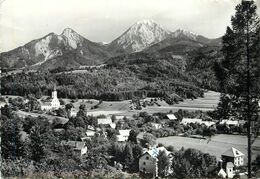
54, 93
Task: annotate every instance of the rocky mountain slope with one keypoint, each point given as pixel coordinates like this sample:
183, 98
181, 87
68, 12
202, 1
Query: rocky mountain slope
138, 37
71, 50
53, 47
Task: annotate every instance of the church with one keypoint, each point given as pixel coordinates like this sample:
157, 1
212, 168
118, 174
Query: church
51, 103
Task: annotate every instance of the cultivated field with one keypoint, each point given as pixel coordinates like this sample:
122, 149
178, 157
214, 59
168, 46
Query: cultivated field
209, 102
216, 146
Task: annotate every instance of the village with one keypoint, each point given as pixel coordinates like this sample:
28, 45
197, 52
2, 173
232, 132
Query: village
130, 89
122, 129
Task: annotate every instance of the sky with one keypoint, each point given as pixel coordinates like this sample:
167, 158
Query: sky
104, 20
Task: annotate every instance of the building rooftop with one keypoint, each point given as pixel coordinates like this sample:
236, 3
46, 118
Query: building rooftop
195, 120
154, 152
104, 120
233, 152
171, 116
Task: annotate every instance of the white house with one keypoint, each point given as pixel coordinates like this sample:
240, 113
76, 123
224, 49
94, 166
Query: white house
186, 121
156, 125
148, 161
123, 135
107, 120
232, 122
51, 103
233, 155
228, 172
73, 112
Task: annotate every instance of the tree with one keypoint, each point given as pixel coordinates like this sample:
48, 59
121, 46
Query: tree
61, 112
37, 143
33, 103
132, 135
224, 109
68, 108
148, 139
82, 111
239, 72
11, 144
128, 154
163, 163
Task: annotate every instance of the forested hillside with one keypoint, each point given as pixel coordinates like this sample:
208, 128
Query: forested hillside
125, 77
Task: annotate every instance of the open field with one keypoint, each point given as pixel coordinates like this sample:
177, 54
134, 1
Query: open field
216, 146
49, 117
209, 102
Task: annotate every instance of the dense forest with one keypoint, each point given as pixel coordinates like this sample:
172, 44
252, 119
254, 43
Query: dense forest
124, 77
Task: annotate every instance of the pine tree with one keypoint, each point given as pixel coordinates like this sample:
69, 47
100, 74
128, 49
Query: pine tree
36, 144
128, 153
11, 144
163, 163
239, 72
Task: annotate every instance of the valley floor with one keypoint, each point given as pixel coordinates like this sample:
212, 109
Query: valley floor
208, 103
217, 145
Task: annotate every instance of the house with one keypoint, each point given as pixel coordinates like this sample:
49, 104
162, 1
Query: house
156, 125
228, 172
51, 103
171, 117
77, 146
148, 161
107, 120
73, 112
222, 173
232, 122
90, 133
123, 135
186, 121
233, 155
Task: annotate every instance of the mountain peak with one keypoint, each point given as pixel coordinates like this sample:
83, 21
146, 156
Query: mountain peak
146, 21
141, 35
72, 38
184, 33
67, 31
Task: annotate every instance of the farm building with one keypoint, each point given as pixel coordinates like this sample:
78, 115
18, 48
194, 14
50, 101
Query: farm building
232, 122
227, 172
186, 121
149, 159
106, 120
233, 155
123, 135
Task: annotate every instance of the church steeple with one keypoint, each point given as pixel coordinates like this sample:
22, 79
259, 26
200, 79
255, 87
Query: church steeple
54, 93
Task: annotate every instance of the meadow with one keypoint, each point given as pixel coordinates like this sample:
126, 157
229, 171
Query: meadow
215, 146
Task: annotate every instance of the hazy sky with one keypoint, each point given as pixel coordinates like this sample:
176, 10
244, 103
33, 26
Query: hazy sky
103, 20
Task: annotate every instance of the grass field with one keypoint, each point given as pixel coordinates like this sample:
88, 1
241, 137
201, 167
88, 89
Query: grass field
216, 146
209, 102
49, 117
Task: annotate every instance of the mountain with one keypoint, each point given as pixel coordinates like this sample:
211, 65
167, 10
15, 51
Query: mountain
138, 37
181, 42
69, 49
53, 47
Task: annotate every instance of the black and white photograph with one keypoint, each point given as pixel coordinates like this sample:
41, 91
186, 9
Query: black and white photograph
124, 89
